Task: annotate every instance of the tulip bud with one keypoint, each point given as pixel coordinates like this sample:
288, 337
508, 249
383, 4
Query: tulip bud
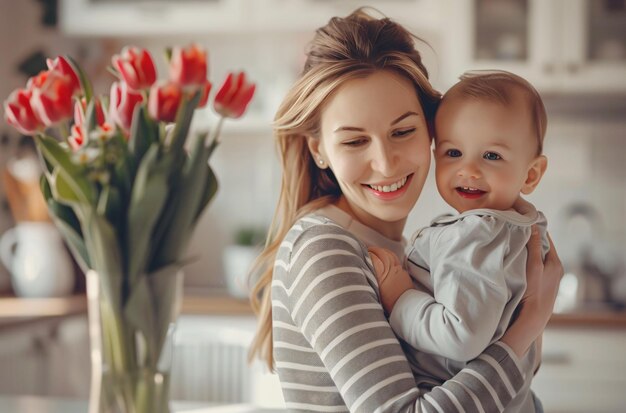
164, 101
19, 113
51, 98
122, 104
136, 67
80, 107
188, 66
62, 65
234, 96
76, 138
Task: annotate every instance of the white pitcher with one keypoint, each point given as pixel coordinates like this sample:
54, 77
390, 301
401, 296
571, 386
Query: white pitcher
39, 263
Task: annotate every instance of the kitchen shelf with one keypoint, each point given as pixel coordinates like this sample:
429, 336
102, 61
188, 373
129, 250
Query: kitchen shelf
223, 304
16, 307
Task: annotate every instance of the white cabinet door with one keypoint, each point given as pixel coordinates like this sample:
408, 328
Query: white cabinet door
558, 45
582, 370
155, 17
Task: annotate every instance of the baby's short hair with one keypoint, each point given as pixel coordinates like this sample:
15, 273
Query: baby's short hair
499, 85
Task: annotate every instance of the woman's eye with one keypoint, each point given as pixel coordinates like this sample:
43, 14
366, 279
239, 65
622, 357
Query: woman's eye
403, 132
355, 142
492, 156
453, 153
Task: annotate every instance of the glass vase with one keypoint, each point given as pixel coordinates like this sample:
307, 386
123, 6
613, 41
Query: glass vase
132, 341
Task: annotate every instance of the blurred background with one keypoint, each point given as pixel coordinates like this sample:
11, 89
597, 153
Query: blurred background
573, 51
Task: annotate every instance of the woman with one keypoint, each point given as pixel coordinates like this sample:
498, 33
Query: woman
353, 134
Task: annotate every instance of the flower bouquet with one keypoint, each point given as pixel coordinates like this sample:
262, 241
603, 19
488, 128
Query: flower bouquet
126, 186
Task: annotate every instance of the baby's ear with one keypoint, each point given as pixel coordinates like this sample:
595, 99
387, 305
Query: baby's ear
535, 171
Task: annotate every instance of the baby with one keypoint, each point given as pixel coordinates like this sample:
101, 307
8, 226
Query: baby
468, 271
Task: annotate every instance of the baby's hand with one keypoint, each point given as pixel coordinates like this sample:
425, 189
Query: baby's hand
392, 279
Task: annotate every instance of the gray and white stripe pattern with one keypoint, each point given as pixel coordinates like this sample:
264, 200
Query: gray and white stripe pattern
334, 349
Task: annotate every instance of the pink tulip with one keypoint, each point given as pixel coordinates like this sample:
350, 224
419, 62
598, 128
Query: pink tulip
136, 67
188, 66
164, 101
19, 113
62, 65
122, 104
51, 98
234, 96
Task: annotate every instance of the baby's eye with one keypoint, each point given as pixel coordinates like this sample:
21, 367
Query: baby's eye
453, 153
403, 132
492, 156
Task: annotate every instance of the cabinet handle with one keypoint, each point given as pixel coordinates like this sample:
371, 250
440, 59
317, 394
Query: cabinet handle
556, 358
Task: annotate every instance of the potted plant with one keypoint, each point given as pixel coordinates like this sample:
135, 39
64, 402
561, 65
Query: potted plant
238, 258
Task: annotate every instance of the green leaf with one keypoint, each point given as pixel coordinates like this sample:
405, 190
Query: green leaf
183, 121
123, 170
148, 197
62, 190
110, 204
72, 174
66, 221
91, 118
191, 192
105, 256
82, 77
144, 132
153, 305
210, 189
168, 54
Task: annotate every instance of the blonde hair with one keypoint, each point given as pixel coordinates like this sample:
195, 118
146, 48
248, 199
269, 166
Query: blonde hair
346, 48
500, 86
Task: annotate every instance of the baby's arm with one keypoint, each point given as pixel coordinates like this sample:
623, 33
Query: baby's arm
393, 280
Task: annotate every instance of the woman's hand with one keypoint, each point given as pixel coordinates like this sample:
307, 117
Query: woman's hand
392, 279
542, 279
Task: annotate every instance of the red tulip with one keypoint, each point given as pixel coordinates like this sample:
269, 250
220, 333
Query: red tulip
136, 67
80, 107
164, 101
77, 137
19, 113
61, 65
122, 104
188, 66
205, 94
234, 96
51, 98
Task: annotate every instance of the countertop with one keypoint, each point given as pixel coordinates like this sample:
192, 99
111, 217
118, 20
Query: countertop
31, 404
219, 303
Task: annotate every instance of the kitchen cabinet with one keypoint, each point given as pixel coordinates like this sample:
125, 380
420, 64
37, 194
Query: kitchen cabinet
162, 17
308, 15
582, 370
558, 45
155, 17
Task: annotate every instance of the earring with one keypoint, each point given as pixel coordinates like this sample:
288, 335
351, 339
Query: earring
320, 161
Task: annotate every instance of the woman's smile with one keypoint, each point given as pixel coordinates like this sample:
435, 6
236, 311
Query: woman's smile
390, 191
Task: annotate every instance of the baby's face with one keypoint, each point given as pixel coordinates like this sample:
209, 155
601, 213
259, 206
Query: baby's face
483, 152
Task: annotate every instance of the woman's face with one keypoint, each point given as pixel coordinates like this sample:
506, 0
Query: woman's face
375, 139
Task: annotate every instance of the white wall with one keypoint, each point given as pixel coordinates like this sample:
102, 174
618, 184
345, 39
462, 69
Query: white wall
587, 154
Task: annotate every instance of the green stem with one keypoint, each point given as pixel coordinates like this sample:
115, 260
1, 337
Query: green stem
215, 135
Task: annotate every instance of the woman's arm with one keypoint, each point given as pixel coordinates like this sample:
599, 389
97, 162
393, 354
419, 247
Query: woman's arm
543, 280
333, 302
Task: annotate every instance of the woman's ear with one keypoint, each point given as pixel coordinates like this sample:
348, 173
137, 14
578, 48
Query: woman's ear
535, 172
317, 152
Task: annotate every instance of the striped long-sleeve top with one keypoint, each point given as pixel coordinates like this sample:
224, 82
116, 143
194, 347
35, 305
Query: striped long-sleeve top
333, 347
